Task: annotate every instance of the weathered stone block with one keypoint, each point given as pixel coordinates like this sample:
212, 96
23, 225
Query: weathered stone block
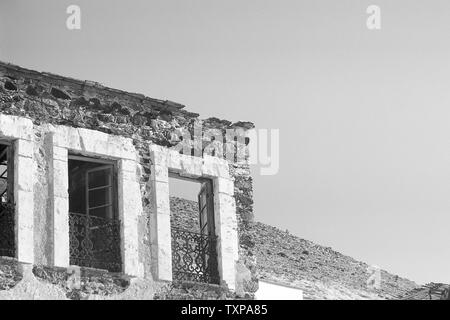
25, 180
161, 197
24, 148
128, 165
159, 155
25, 223
174, 161
215, 167
61, 247
191, 166
59, 153
161, 246
159, 173
224, 185
16, 127
60, 178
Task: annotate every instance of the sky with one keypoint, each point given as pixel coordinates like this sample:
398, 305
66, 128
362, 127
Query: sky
363, 114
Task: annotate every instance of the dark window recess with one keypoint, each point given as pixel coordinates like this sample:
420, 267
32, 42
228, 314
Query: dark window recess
194, 247
94, 225
7, 236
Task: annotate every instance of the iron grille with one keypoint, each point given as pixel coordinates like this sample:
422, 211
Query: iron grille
194, 257
7, 245
95, 242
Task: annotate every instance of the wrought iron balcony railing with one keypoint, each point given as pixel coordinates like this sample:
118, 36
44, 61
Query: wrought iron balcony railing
95, 242
7, 237
194, 257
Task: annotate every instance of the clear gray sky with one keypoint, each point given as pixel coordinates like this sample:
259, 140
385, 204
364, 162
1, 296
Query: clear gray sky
364, 116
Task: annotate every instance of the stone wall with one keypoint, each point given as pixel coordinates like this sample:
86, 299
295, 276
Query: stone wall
51, 100
21, 281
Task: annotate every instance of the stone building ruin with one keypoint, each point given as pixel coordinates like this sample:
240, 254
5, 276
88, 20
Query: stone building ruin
84, 196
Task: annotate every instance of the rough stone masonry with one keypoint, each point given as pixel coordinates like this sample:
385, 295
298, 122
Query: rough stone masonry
46, 116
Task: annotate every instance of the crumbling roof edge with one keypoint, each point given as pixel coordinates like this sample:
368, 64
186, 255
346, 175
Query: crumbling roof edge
158, 103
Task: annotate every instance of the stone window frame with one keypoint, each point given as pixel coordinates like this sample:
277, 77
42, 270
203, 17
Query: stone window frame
164, 160
19, 131
96, 144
